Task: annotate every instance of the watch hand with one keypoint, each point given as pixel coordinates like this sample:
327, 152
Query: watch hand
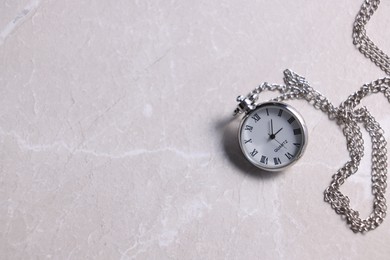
282, 145
271, 135
278, 131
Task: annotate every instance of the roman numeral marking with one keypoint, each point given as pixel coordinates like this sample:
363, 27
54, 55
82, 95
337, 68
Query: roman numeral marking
280, 112
297, 131
249, 128
277, 161
297, 145
256, 117
266, 110
291, 120
289, 155
264, 159
248, 141
254, 152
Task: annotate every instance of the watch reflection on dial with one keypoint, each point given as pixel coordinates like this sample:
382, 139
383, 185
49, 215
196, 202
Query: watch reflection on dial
273, 136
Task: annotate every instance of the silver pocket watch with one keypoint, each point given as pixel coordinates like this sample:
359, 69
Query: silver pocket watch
272, 135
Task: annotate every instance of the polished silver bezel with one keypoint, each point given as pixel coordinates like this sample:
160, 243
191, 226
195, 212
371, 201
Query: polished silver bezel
298, 118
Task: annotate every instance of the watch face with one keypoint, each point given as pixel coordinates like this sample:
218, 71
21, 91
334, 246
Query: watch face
273, 136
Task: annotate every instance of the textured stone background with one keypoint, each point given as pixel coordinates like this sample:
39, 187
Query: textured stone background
116, 138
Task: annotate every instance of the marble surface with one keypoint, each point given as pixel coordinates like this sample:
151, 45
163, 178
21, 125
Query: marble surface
117, 141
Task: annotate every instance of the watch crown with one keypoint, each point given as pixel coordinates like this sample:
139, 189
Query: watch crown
245, 104
240, 98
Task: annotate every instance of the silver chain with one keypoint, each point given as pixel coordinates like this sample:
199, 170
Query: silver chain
361, 40
348, 117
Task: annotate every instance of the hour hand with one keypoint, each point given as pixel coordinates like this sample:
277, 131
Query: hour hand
278, 131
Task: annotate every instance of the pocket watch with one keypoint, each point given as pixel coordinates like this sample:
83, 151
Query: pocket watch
272, 135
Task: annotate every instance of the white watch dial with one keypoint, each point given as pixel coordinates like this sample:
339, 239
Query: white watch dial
273, 136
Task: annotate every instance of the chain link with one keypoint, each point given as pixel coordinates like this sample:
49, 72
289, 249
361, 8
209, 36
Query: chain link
363, 42
348, 116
